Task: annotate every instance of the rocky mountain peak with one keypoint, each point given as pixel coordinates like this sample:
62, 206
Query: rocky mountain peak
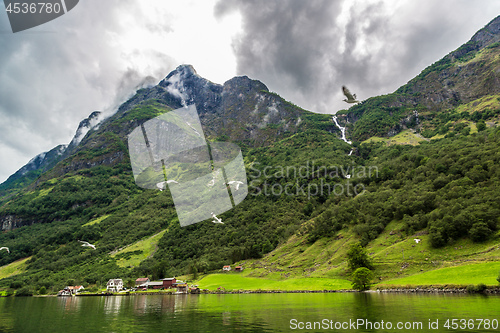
485, 37
187, 87
489, 34
85, 125
245, 85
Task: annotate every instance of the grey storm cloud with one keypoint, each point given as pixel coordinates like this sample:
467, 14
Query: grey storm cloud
55, 75
306, 50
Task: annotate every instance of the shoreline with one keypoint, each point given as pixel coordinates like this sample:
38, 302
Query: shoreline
426, 290
397, 289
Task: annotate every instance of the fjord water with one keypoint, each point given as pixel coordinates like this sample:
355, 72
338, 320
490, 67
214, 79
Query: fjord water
240, 312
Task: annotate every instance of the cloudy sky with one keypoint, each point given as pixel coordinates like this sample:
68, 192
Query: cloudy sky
96, 55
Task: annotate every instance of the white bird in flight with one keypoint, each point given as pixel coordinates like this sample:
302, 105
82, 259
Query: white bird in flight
417, 240
216, 219
4, 248
351, 98
161, 185
87, 244
237, 182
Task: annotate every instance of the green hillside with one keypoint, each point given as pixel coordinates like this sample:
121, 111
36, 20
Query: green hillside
424, 165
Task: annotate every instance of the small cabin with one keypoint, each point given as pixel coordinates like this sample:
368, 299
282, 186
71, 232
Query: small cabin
238, 269
141, 282
168, 282
226, 268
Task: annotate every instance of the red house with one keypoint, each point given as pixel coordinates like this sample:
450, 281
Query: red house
168, 282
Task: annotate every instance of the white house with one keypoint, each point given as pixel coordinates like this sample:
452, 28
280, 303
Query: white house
114, 285
75, 289
226, 268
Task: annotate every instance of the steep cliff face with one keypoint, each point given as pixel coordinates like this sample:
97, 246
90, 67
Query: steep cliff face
241, 109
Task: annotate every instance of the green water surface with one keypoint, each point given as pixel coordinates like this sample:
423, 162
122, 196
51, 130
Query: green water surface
308, 312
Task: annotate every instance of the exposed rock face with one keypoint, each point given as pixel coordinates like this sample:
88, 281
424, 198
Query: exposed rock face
10, 222
462, 75
240, 109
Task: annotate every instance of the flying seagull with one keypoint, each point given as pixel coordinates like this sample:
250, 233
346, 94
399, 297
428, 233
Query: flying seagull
87, 244
216, 219
351, 98
161, 185
237, 182
4, 248
417, 240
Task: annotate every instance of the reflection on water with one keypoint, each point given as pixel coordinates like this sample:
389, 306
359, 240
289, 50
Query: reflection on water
238, 312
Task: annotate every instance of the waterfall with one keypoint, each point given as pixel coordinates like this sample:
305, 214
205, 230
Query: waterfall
342, 129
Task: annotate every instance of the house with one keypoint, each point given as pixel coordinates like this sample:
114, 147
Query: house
74, 289
238, 269
155, 285
168, 282
226, 268
114, 285
182, 288
70, 290
142, 282
64, 292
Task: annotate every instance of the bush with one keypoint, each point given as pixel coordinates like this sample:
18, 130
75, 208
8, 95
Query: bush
479, 232
480, 288
357, 257
361, 279
481, 126
24, 291
42, 290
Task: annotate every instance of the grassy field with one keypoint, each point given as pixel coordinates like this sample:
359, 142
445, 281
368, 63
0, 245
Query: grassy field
396, 257
235, 281
13, 268
459, 275
97, 220
406, 137
133, 254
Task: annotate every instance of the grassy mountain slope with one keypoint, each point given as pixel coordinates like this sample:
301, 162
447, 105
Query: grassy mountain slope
441, 96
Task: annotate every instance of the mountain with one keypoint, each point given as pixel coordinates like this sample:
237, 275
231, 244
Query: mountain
241, 110
467, 79
311, 195
46, 160
90, 193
